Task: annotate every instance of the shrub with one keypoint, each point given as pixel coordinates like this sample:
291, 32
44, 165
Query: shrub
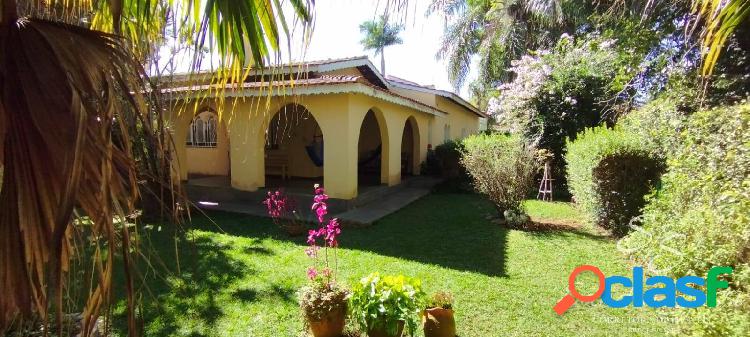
382, 302
557, 93
609, 174
501, 167
448, 156
658, 124
319, 300
700, 218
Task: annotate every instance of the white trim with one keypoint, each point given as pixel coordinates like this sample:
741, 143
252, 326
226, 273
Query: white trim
438, 92
321, 89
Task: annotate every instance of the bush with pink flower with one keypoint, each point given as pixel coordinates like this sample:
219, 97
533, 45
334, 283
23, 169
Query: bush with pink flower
323, 301
283, 211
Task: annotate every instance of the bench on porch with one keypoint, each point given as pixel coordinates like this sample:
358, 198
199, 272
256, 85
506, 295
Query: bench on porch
277, 163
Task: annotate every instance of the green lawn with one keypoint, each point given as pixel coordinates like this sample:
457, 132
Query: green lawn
241, 280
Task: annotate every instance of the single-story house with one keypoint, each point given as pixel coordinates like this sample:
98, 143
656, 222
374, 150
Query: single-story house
336, 122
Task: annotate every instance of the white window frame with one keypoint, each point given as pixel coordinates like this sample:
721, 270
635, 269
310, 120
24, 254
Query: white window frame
203, 130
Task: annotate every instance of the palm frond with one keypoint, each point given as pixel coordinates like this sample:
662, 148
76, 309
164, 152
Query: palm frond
69, 149
720, 20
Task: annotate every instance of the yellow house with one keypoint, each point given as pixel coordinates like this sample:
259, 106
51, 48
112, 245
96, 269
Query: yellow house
336, 122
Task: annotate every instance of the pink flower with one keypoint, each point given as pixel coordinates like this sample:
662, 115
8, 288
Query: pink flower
327, 272
312, 251
312, 273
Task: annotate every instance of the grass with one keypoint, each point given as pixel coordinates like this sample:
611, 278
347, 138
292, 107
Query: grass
242, 280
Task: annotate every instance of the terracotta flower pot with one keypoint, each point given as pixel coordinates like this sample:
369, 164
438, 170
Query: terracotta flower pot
380, 331
331, 326
438, 322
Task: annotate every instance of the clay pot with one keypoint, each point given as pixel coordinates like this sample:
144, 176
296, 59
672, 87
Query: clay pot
331, 326
381, 332
438, 322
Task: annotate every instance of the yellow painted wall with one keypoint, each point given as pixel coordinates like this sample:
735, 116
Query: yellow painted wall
340, 117
424, 97
295, 130
209, 160
461, 121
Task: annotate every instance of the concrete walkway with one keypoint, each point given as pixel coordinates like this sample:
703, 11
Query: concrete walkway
363, 212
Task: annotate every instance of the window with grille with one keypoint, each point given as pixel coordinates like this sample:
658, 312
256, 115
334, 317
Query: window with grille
202, 131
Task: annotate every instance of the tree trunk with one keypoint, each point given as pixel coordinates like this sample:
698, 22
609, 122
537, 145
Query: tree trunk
382, 62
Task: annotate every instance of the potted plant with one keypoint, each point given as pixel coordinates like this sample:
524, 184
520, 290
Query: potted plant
437, 318
323, 301
385, 306
283, 211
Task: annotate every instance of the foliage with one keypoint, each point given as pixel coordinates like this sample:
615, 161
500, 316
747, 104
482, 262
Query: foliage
699, 218
384, 301
501, 167
440, 299
658, 124
319, 299
559, 92
610, 172
84, 139
378, 35
719, 20
501, 31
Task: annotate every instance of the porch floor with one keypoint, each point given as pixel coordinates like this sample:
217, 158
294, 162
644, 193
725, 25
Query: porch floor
372, 203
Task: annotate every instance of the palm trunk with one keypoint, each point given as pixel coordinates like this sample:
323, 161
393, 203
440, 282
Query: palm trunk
10, 11
382, 61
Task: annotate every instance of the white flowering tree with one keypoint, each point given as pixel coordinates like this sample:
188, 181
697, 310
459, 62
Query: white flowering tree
556, 93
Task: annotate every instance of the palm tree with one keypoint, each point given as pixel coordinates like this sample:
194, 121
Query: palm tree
378, 35
501, 31
84, 130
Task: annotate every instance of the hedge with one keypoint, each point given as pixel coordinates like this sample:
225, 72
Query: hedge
609, 174
700, 218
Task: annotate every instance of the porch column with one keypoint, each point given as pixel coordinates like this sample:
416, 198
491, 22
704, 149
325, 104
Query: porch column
340, 125
246, 141
420, 153
392, 166
181, 122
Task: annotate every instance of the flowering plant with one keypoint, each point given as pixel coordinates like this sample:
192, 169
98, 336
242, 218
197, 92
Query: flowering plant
323, 298
329, 231
283, 210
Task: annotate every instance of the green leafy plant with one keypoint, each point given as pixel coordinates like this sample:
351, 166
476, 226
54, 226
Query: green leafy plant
610, 172
382, 302
502, 168
440, 299
320, 299
700, 218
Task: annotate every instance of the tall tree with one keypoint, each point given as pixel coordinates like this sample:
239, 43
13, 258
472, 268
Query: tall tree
378, 35
501, 31
83, 129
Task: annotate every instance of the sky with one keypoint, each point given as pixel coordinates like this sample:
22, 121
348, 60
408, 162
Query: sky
336, 35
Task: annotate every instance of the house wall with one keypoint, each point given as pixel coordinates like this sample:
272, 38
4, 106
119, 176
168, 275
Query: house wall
209, 160
340, 118
296, 131
459, 121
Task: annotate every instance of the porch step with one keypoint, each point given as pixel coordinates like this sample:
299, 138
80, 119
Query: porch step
367, 214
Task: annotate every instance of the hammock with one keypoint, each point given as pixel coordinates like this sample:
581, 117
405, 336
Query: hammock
315, 152
374, 154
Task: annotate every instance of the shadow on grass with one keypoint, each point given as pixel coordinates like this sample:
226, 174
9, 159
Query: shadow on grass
445, 229
206, 269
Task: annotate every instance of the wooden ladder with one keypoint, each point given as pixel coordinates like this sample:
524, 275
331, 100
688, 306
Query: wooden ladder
545, 187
